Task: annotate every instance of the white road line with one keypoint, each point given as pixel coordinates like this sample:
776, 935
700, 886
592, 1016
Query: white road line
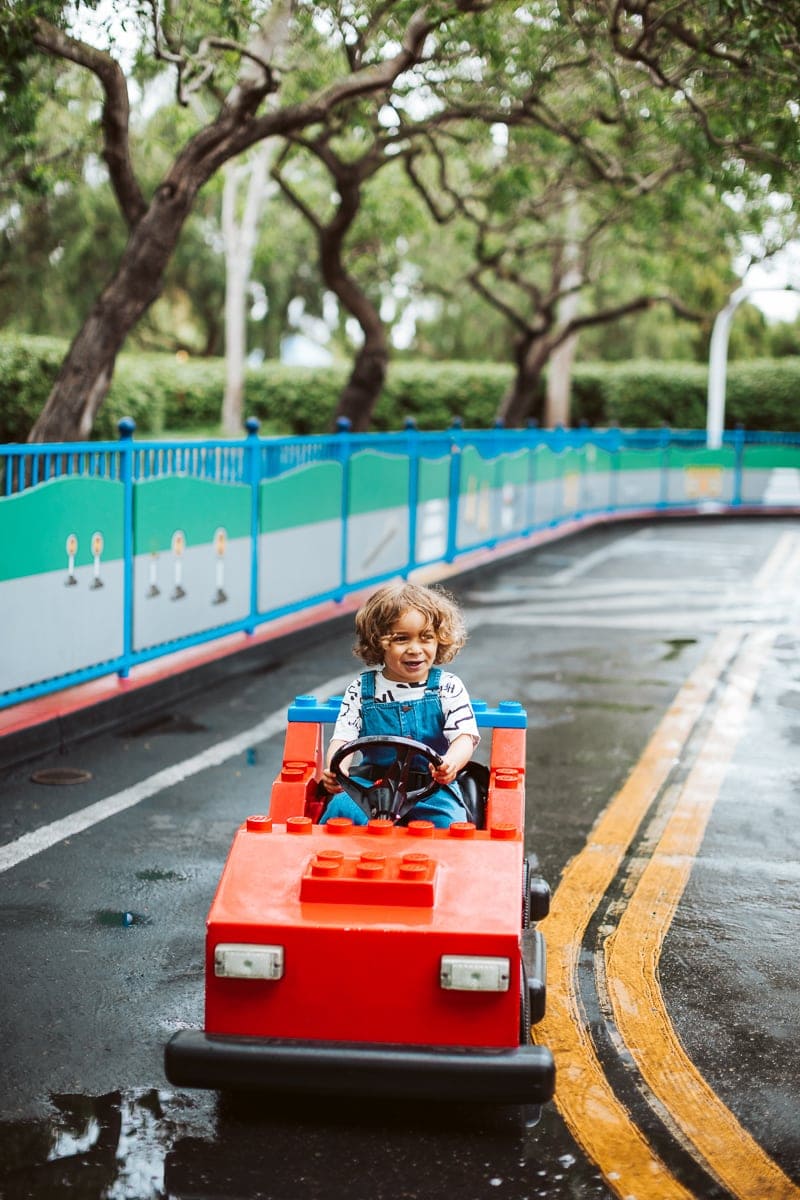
723, 600
776, 564
642, 543
620, 547
13, 853
529, 590
702, 621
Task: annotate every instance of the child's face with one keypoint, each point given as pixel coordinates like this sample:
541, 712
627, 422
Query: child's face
409, 648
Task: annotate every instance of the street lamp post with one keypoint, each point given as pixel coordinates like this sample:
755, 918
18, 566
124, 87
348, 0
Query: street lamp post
718, 360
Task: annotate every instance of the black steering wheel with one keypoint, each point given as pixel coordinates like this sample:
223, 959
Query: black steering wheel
389, 797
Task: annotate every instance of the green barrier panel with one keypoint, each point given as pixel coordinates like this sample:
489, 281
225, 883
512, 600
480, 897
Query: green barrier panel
42, 529
196, 507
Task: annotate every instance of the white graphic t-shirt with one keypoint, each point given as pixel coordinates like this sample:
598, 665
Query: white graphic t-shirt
456, 707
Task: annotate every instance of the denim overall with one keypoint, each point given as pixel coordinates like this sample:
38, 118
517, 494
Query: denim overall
422, 720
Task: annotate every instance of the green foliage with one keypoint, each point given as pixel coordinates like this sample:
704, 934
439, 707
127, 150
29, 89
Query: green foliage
28, 368
764, 394
575, 178
434, 393
157, 390
640, 394
55, 249
761, 394
163, 391
25, 85
302, 399
573, 183
183, 395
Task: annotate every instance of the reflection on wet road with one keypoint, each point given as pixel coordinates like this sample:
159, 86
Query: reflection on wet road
141, 1147
659, 668
87, 1146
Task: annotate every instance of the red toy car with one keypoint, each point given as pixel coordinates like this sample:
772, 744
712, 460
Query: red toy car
377, 960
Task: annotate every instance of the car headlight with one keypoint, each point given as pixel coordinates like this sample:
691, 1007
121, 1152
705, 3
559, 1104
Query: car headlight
472, 973
235, 960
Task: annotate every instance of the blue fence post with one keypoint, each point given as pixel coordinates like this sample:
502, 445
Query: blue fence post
738, 465
664, 438
615, 449
496, 509
253, 476
530, 500
584, 434
126, 427
557, 443
454, 488
412, 449
343, 427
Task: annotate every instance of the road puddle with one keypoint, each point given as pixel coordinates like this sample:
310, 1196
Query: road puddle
110, 1147
676, 646
161, 875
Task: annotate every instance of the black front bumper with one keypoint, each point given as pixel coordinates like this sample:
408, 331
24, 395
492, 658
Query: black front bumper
520, 1075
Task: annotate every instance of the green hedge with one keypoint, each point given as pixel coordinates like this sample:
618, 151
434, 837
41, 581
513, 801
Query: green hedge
28, 367
432, 393
760, 394
163, 393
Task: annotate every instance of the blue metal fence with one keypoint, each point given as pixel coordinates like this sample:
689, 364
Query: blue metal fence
23, 466
518, 510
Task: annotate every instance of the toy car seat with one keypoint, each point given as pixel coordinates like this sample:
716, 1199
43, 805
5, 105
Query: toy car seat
473, 780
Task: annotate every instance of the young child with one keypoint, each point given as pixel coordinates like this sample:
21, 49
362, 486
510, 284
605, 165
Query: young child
404, 632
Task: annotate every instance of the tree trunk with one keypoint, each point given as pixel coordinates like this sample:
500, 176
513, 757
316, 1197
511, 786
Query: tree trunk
361, 392
86, 372
519, 402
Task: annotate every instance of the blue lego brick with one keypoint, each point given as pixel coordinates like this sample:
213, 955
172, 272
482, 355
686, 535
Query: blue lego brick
508, 714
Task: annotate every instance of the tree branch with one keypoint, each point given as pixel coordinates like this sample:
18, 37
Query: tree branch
294, 198
377, 77
639, 304
116, 112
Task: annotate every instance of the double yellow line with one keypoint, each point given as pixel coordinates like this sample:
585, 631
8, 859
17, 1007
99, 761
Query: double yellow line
597, 1119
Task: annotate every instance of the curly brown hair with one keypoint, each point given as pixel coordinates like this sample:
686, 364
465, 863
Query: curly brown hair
375, 618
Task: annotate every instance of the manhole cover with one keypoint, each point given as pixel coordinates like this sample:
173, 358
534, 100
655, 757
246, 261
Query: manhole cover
61, 776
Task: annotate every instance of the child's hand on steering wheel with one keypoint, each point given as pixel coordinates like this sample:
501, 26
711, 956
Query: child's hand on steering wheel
445, 772
330, 782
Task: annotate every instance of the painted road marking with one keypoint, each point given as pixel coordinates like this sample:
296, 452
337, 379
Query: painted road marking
598, 1121
685, 619
779, 562
619, 546
13, 853
632, 955
699, 605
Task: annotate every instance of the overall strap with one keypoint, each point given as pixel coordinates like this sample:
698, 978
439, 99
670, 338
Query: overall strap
368, 685
434, 679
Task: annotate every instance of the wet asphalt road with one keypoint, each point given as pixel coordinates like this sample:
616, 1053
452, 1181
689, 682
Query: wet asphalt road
102, 932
